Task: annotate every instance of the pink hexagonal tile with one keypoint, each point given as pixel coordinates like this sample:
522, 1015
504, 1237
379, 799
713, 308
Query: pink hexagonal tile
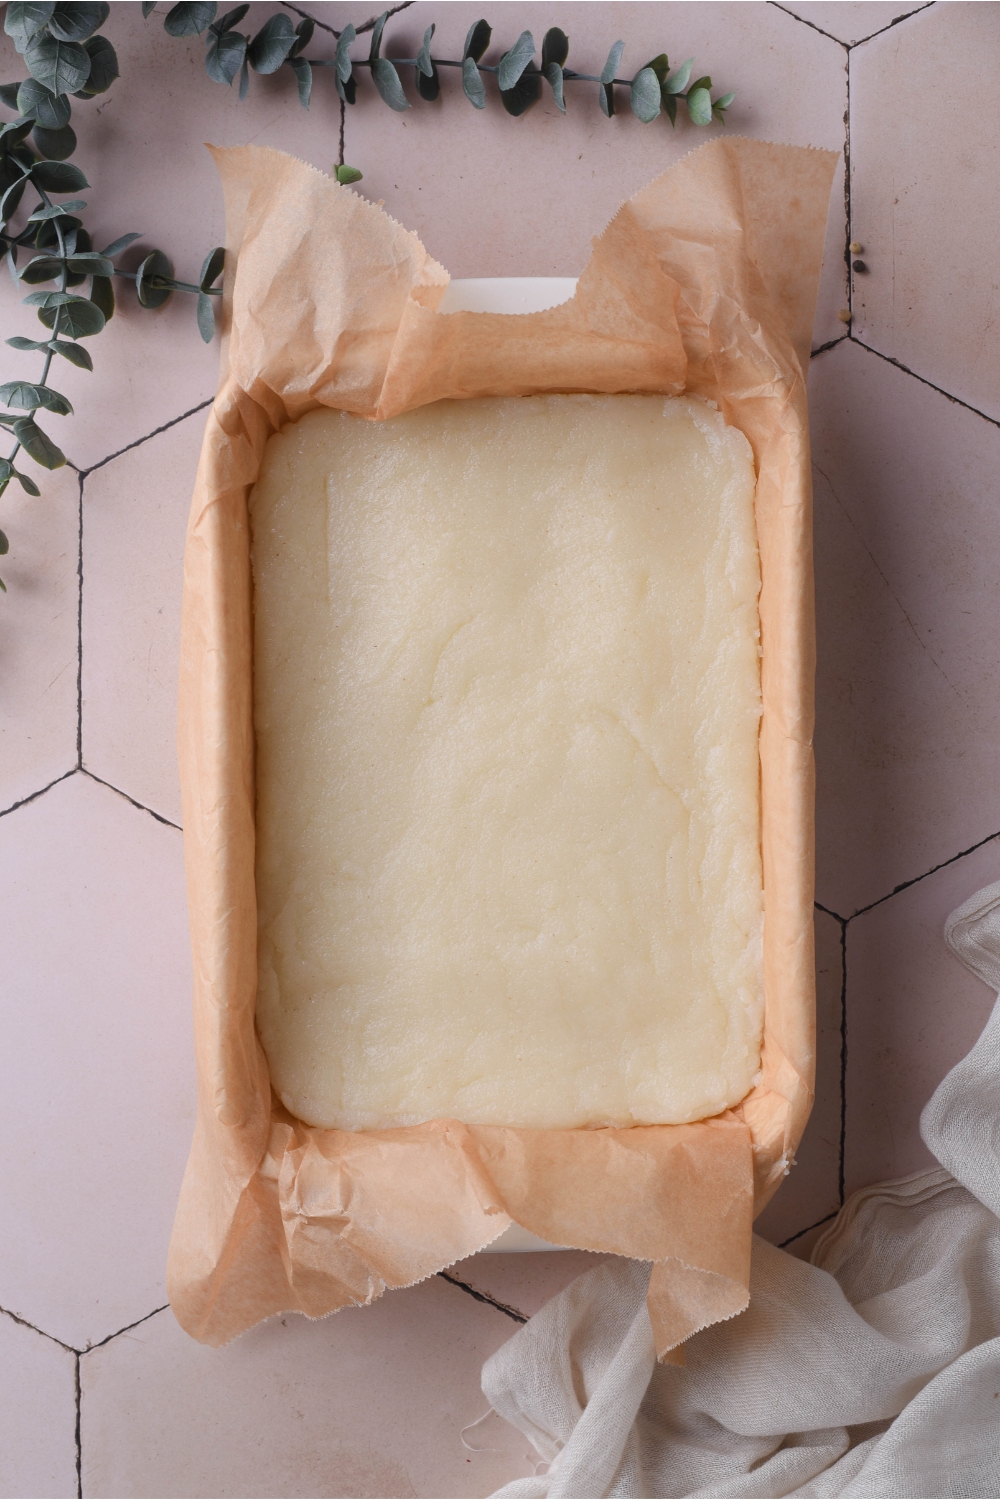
925, 208
38, 635
912, 1012
37, 1414
98, 1076
495, 196
852, 21
371, 1401
134, 517
908, 689
812, 1189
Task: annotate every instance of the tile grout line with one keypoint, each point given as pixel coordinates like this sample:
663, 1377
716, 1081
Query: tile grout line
510, 1312
33, 796
77, 1390
140, 805
119, 1331
15, 1318
842, 1150
85, 473
862, 910
800, 1232
850, 46
79, 627
957, 400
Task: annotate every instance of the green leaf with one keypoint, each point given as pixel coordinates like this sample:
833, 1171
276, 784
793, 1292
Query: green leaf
606, 95
13, 132
428, 88
78, 316
555, 47
678, 80
272, 44
343, 60
188, 18
56, 145
699, 103
347, 175
118, 245
21, 393
554, 73
524, 94
660, 66
91, 264
701, 83
22, 22
102, 295
103, 67
75, 353
57, 210
148, 6
211, 267
424, 64
244, 79
670, 106
206, 317
644, 95
8, 94
42, 268
304, 35
388, 84
377, 30
11, 198
6, 470
26, 345
225, 55
155, 265
4, 547
725, 101
49, 299
63, 67
35, 443
472, 83
611, 66
303, 77
58, 177
76, 22
477, 41
229, 20
47, 109
26, 484
514, 62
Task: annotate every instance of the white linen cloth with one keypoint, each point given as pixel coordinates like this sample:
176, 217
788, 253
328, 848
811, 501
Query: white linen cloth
872, 1371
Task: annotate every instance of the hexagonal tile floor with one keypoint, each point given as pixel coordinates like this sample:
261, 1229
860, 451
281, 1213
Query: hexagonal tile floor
101, 1392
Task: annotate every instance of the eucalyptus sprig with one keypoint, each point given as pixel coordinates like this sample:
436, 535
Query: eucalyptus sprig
64, 55
231, 53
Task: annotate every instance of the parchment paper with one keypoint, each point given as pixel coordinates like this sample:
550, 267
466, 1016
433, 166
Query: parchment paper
705, 281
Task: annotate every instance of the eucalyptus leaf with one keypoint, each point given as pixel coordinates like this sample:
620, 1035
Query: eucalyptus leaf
120, 244
699, 103
42, 268
37, 445
225, 55
75, 353
229, 20
28, 397
77, 21
303, 77
611, 66
725, 101
47, 109
28, 344
6, 470
644, 95
57, 145
428, 88
211, 267
678, 80
155, 265
524, 94
477, 41
555, 47
102, 295
50, 299
606, 95
346, 175
28, 485
377, 30
343, 46
189, 18
244, 79
103, 67
11, 198
57, 210
22, 22
205, 314
11, 259
63, 67
472, 83
424, 64
58, 177
670, 107
15, 131
8, 94
303, 36
148, 6
91, 264
78, 317
554, 73
272, 44
388, 84
660, 66
514, 62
